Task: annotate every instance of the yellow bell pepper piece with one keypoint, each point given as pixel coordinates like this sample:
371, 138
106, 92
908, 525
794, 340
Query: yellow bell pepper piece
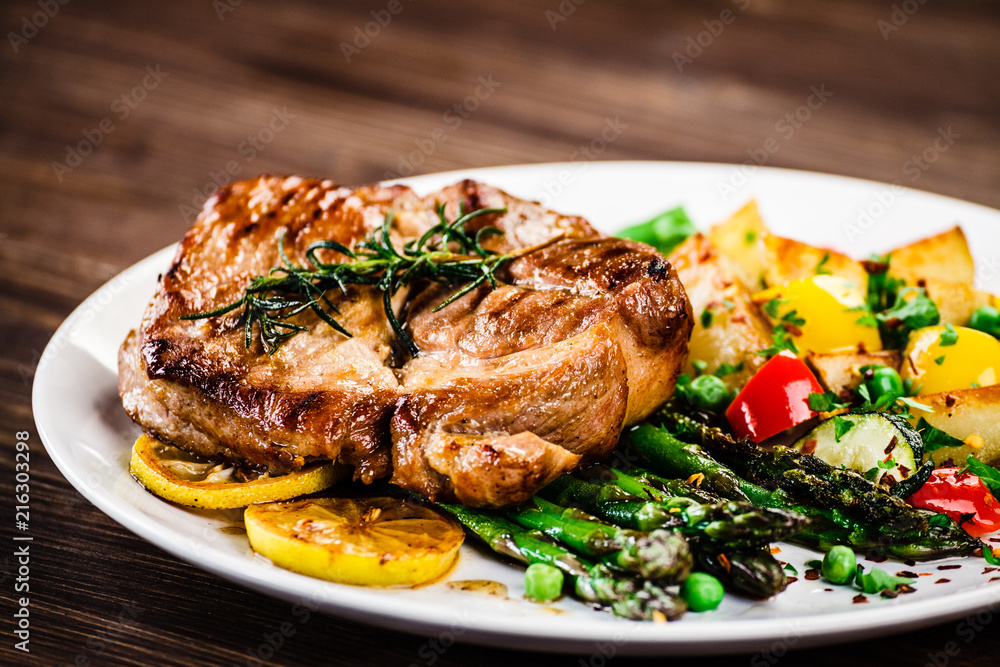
940, 359
823, 314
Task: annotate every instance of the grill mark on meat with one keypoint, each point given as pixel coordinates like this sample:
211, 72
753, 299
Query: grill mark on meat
513, 386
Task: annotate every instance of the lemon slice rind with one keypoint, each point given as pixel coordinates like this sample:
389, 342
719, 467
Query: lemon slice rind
338, 540
148, 468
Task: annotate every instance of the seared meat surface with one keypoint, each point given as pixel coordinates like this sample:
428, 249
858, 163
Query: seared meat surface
512, 387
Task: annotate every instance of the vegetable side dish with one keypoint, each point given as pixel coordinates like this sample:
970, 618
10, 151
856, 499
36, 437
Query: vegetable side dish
848, 406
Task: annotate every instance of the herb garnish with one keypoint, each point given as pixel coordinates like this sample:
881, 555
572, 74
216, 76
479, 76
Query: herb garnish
446, 253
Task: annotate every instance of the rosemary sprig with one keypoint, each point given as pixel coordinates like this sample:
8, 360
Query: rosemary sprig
446, 253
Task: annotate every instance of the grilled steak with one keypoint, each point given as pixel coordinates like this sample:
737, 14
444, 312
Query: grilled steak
511, 387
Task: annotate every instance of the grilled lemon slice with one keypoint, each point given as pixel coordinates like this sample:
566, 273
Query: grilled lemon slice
369, 541
176, 475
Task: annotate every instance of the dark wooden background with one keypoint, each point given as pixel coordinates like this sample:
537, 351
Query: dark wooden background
200, 76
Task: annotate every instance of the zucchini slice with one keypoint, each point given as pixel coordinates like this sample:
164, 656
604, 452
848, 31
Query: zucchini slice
882, 447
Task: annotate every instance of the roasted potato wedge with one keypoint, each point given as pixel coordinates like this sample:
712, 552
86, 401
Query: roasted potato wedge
736, 328
944, 256
841, 371
955, 301
739, 239
962, 413
787, 259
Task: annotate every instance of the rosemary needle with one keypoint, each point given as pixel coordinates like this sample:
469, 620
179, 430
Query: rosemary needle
446, 253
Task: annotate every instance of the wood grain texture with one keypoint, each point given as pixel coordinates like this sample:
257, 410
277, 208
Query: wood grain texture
101, 596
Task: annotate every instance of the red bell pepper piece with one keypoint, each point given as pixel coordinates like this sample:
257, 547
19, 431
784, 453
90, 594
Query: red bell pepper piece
963, 497
775, 398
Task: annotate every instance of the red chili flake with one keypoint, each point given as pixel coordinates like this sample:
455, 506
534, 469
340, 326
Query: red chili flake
891, 446
724, 562
994, 579
812, 575
906, 574
948, 567
926, 574
859, 598
809, 446
889, 594
791, 580
828, 590
775, 550
910, 563
696, 478
877, 558
906, 588
989, 569
993, 539
942, 580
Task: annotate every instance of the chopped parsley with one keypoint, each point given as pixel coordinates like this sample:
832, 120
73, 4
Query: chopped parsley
841, 425
825, 402
725, 369
771, 307
948, 337
821, 269
989, 474
912, 310
935, 438
876, 580
782, 341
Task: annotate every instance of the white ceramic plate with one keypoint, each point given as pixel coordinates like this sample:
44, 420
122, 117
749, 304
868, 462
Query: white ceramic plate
88, 435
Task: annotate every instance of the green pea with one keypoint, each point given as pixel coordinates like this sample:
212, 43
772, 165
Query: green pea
702, 592
884, 381
986, 319
839, 565
542, 583
708, 392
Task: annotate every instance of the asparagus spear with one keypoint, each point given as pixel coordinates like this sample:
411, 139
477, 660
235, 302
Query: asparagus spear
843, 508
659, 554
721, 524
593, 583
753, 572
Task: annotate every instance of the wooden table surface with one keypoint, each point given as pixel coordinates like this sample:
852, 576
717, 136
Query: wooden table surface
117, 118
